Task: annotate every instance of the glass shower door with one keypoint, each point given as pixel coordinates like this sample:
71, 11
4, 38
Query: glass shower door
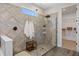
45, 34
51, 24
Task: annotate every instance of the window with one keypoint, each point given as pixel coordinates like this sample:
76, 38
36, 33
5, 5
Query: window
28, 12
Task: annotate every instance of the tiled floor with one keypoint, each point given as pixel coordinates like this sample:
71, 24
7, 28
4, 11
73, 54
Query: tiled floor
61, 52
56, 51
41, 49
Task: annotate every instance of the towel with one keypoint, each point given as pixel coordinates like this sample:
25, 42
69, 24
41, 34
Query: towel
26, 29
29, 29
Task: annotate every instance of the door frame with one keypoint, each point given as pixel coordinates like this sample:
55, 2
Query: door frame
59, 28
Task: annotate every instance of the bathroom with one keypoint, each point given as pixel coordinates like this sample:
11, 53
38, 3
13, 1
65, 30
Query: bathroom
39, 29
12, 24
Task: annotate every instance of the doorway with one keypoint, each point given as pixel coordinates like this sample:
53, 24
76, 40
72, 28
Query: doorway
69, 28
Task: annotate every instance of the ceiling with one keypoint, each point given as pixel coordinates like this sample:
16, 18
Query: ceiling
46, 6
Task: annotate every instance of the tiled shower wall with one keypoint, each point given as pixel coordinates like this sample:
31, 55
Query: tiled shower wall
10, 16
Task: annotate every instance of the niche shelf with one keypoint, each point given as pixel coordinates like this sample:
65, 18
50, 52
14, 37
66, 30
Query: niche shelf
69, 28
44, 29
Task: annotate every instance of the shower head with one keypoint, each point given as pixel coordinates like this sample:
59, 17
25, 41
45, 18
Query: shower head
47, 16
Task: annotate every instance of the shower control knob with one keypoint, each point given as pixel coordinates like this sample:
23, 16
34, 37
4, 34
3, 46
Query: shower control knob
76, 43
76, 31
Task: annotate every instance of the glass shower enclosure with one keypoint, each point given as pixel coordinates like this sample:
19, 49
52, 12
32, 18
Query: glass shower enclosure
45, 33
